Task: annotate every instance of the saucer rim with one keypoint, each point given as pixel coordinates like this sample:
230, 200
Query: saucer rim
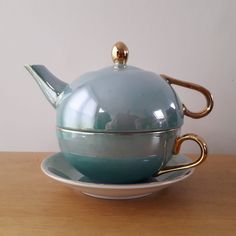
78, 183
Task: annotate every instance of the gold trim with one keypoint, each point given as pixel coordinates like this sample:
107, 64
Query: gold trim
116, 133
178, 143
204, 91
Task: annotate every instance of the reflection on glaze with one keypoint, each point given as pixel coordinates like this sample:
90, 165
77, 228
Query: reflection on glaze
127, 100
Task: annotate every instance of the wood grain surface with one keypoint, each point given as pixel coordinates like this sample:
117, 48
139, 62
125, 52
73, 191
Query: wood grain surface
33, 204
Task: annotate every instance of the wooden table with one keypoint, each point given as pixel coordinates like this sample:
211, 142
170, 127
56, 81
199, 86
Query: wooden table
33, 204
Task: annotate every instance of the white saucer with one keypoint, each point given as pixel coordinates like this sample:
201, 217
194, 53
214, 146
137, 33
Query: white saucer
57, 168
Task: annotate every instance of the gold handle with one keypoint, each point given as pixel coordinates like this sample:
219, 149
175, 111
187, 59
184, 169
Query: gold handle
178, 143
198, 88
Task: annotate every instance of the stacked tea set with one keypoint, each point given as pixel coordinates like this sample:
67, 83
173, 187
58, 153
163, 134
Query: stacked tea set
119, 129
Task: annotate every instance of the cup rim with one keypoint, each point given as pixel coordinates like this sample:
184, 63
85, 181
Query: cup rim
88, 132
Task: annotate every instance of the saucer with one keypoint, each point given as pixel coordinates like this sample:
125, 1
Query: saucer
57, 168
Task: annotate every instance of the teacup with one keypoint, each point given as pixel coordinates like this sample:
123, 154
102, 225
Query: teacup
125, 157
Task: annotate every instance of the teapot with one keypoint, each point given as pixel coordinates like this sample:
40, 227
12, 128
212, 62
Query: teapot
121, 124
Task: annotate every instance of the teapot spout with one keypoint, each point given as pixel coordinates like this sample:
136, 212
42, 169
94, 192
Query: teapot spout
51, 86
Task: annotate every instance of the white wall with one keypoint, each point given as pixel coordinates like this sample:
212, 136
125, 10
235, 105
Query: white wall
191, 40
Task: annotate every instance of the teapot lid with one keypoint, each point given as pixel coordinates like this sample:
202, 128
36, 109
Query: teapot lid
119, 98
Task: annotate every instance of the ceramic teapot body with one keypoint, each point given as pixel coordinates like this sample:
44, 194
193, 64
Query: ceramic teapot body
120, 124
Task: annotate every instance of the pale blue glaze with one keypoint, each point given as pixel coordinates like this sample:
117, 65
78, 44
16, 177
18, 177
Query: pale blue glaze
114, 100
50, 85
117, 158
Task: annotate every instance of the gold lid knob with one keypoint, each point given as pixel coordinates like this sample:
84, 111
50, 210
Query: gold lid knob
120, 53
